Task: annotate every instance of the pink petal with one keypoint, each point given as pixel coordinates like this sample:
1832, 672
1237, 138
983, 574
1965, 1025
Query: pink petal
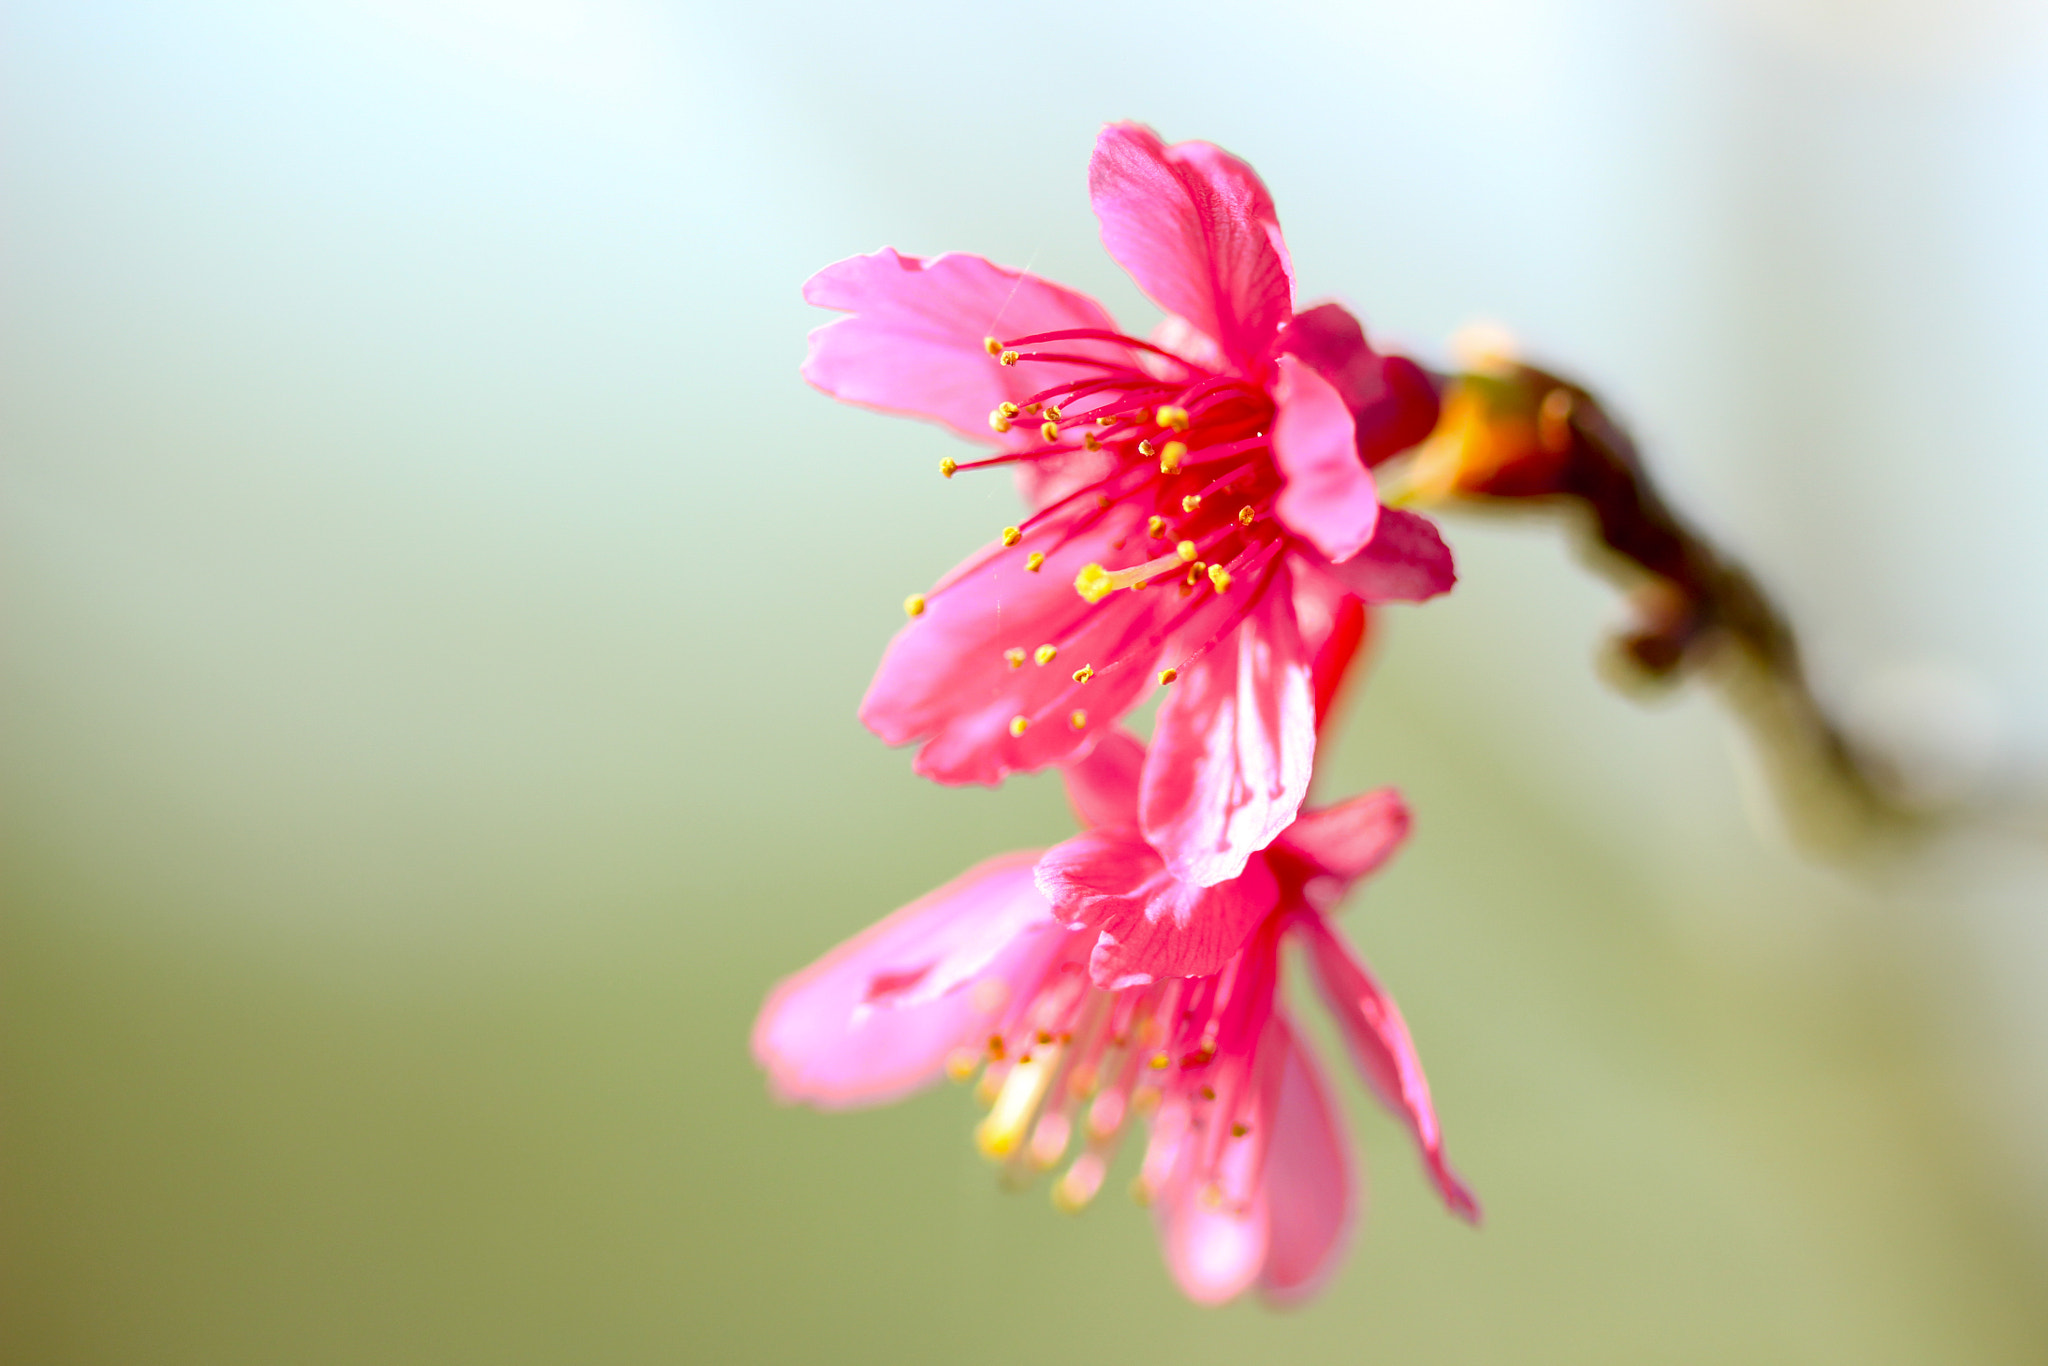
1102, 785
1232, 752
1329, 495
1307, 1179
946, 680
1353, 837
1151, 924
914, 342
1215, 1250
1393, 404
1406, 561
1196, 229
1373, 1027
1335, 627
875, 1018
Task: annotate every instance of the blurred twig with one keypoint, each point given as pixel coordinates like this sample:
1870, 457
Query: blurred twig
1516, 437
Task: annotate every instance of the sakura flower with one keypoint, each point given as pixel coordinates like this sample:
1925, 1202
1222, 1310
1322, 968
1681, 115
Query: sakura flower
1186, 489
1244, 1163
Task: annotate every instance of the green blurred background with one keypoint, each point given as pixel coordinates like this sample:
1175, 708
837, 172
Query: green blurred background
434, 611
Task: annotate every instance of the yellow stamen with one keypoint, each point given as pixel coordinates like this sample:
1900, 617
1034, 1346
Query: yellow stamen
997, 422
913, 606
1167, 676
1052, 414
998, 1134
948, 465
1186, 550
962, 1063
1170, 457
1145, 449
1007, 408
1050, 431
1245, 515
1170, 416
1072, 1192
1007, 358
1018, 725
992, 346
1155, 527
1096, 583
1105, 421
1089, 441
1084, 673
1219, 576
1044, 654
1079, 720
1160, 1060
1240, 1129
1015, 655
1035, 561
1191, 502
1011, 535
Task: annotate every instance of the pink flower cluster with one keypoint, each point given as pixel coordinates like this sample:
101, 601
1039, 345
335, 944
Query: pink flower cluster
1203, 518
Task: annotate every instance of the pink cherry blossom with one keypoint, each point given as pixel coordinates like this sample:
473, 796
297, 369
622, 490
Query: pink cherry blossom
1244, 1163
1187, 492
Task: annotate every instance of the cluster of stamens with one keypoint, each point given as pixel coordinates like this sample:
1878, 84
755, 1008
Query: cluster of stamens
1185, 445
1075, 1062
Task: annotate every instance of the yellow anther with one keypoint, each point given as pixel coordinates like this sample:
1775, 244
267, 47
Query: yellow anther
1170, 457
1219, 576
1007, 408
1044, 655
948, 466
998, 422
1019, 724
1155, 527
999, 1134
1073, 1191
1141, 585
1191, 502
913, 606
1078, 720
1159, 1062
961, 1064
1011, 535
1170, 416
1015, 656
1084, 673
1093, 583
1035, 561
1105, 421
1245, 515
1167, 676
1145, 449
1142, 416
1052, 413
1090, 441
1031, 408
1050, 431
992, 346
1240, 1129
1007, 358
1186, 551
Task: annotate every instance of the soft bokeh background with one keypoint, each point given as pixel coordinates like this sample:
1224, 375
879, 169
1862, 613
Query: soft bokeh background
434, 610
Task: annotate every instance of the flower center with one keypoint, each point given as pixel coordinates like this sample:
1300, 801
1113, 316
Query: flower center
1076, 1060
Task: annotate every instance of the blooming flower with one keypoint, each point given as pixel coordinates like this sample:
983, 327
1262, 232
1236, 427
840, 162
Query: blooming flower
1245, 1164
1187, 491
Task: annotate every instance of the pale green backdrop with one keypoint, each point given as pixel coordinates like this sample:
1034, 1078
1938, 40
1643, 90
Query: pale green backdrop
434, 611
